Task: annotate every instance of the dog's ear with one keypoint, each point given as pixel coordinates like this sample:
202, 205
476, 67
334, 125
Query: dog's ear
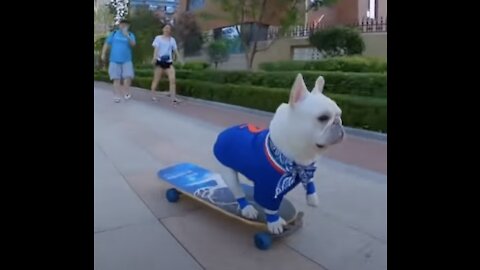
319, 84
299, 91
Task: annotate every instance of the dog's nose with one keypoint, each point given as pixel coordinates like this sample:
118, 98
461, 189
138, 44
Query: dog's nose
337, 121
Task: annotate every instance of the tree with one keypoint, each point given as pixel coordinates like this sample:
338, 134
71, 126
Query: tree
337, 41
103, 20
145, 24
242, 13
97, 51
218, 51
119, 8
316, 4
188, 33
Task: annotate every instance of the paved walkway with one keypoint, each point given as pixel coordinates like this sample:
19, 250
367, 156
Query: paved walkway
136, 228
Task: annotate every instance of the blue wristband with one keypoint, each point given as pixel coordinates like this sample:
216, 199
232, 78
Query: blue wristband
272, 218
242, 202
310, 187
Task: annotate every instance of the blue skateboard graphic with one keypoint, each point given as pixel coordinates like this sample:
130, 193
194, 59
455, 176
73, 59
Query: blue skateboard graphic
209, 188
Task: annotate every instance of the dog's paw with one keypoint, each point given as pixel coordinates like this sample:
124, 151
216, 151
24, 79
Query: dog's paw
312, 200
250, 212
276, 227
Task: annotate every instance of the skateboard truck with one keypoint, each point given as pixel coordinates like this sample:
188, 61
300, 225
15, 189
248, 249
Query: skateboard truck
263, 240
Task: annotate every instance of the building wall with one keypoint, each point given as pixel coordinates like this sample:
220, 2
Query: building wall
218, 18
375, 44
382, 9
329, 19
221, 19
282, 50
347, 12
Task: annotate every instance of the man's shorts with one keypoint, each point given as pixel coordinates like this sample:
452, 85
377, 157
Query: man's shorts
121, 71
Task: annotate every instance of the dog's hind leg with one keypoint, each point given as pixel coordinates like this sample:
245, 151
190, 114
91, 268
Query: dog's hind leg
230, 177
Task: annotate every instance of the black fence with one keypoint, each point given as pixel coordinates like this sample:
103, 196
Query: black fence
365, 25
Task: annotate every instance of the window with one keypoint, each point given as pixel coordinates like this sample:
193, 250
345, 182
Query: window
170, 7
372, 9
306, 54
230, 33
193, 5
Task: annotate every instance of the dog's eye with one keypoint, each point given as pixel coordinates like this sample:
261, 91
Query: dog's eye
323, 118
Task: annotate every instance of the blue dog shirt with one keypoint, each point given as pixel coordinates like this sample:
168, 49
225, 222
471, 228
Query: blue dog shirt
251, 152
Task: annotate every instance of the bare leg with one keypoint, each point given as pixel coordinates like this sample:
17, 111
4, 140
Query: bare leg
117, 90
126, 88
157, 76
172, 85
231, 179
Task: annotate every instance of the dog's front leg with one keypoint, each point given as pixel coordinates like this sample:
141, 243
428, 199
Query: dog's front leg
274, 222
231, 179
312, 197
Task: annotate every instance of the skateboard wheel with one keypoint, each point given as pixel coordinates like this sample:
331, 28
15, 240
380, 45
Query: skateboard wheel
172, 195
263, 240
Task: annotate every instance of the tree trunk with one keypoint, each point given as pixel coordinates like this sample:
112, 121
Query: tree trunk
252, 56
247, 58
181, 53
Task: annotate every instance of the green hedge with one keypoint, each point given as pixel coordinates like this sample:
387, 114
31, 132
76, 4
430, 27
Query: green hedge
193, 65
196, 65
358, 84
344, 64
361, 112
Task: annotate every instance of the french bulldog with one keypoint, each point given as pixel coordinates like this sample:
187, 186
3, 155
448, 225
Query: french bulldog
279, 158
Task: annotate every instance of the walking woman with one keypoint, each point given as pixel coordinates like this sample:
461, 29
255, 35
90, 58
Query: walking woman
164, 47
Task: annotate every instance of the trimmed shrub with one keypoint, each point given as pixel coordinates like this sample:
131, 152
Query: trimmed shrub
345, 64
218, 52
338, 40
361, 112
359, 84
193, 65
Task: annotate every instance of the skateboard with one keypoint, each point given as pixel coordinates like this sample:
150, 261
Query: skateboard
209, 188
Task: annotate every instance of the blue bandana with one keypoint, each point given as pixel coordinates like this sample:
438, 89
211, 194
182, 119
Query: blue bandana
293, 172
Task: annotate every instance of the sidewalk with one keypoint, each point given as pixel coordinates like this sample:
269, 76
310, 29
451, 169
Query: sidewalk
136, 228
354, 150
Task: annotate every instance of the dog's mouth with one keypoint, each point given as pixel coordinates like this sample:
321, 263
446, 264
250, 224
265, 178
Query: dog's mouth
320, 146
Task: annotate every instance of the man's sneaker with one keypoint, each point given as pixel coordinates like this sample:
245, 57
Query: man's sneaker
154, 99
127, 96
116, 99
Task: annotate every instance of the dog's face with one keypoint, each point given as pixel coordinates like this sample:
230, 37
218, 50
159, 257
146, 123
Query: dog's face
314, 117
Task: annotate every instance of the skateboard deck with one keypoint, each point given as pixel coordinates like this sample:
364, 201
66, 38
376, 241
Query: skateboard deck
209, 188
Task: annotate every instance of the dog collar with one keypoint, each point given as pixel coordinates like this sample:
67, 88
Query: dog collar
290, 170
